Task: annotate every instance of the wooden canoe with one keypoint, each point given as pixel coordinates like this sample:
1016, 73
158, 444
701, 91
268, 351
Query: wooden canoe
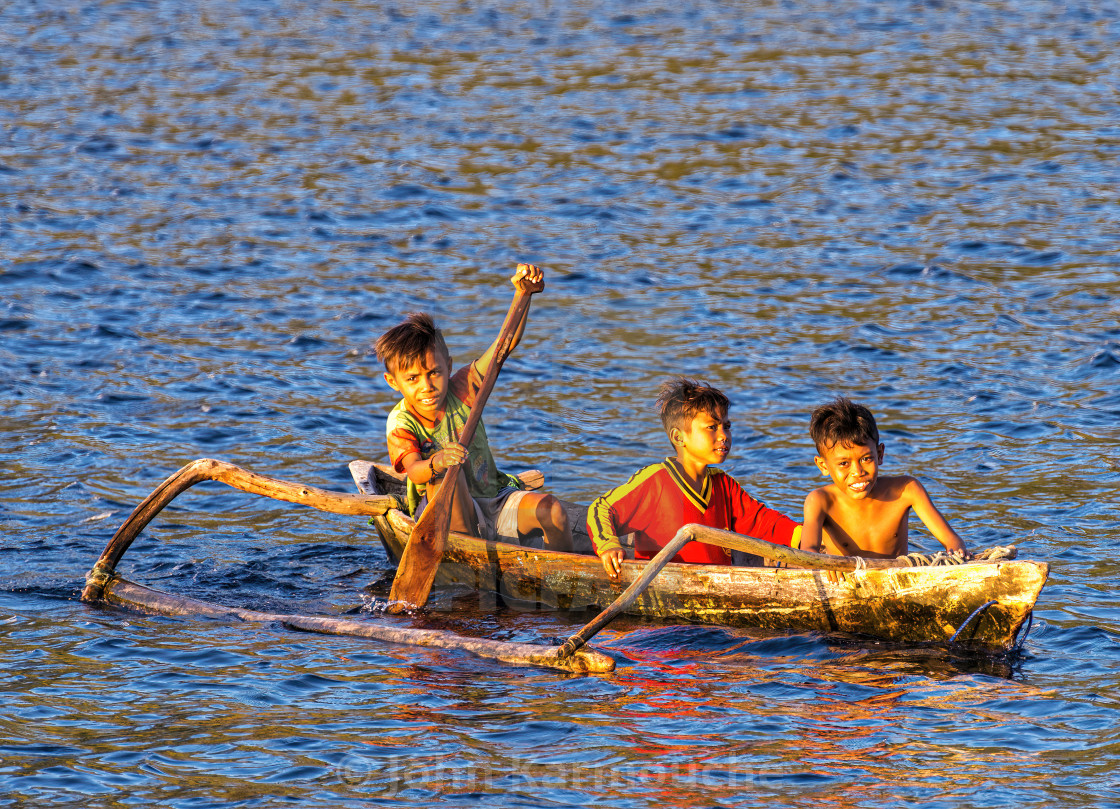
979, 604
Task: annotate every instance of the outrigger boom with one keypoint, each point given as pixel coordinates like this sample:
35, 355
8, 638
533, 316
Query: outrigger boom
103, 584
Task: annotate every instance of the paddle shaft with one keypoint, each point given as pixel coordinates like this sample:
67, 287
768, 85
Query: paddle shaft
630, 594
724, 539
422, 553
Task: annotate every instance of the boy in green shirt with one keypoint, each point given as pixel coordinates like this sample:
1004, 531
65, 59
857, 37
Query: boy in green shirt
423, 434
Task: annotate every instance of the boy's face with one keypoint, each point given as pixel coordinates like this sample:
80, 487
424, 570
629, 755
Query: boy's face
854, 468
707, 440
423, 384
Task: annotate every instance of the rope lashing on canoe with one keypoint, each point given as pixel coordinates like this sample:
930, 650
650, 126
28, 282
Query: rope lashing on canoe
997, 553
968, 620
1022, 640
99, 577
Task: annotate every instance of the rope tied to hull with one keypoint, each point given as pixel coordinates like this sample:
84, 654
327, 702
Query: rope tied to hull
978, 611
1021, 641
98, 578
997, 553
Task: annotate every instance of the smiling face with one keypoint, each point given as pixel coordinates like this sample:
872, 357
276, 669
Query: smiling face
854, 468
707, 440
423, 384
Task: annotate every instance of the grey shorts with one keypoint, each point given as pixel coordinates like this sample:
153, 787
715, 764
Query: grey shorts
497, 516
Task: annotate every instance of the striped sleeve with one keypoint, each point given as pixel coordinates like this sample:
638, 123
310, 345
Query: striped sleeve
612, 513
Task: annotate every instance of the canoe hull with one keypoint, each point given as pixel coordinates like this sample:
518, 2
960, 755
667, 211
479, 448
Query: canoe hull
910, 605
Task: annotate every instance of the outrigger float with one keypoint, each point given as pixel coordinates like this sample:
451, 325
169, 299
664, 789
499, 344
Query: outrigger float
980, 604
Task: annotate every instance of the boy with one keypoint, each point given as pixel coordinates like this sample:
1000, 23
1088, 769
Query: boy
657, 501
860, 513
423, 431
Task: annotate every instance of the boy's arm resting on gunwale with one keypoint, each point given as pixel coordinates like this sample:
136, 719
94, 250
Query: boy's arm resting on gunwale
601, 526
625, 508
603, 529
927, 512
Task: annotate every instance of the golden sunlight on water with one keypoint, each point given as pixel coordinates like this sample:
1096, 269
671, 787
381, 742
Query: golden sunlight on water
208, 212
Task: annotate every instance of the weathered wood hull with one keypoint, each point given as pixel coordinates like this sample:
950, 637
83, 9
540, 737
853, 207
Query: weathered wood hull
981, 604
913, 605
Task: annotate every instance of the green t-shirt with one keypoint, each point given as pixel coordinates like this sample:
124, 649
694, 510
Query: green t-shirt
406, 433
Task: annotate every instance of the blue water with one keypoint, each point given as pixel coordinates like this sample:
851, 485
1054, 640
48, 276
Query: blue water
209, 211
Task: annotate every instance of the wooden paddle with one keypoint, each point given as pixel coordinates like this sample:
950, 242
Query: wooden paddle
422, 553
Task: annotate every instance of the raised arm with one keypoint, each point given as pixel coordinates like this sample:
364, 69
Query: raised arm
528, 278
927, 512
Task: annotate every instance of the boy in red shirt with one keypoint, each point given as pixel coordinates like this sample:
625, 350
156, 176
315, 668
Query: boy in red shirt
658, 500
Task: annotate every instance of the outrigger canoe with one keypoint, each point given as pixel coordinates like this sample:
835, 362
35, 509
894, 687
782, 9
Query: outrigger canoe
981, 604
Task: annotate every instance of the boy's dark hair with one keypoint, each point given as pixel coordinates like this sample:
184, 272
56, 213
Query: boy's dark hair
842, 421
409, 341
681, 400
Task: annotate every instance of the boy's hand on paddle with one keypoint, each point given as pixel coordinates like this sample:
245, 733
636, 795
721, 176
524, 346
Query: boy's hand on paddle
612, 562
528, 278
451, 455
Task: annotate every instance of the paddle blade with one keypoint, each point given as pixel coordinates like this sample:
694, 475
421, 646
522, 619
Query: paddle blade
422, 552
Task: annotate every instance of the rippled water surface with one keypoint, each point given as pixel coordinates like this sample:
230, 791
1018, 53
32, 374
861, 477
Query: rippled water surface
208, 211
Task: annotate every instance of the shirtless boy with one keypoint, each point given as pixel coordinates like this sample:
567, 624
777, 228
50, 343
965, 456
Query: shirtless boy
860, 513
423, 434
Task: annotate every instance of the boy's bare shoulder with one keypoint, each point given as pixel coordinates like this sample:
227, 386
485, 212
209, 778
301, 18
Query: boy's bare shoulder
823, 496
891, 487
